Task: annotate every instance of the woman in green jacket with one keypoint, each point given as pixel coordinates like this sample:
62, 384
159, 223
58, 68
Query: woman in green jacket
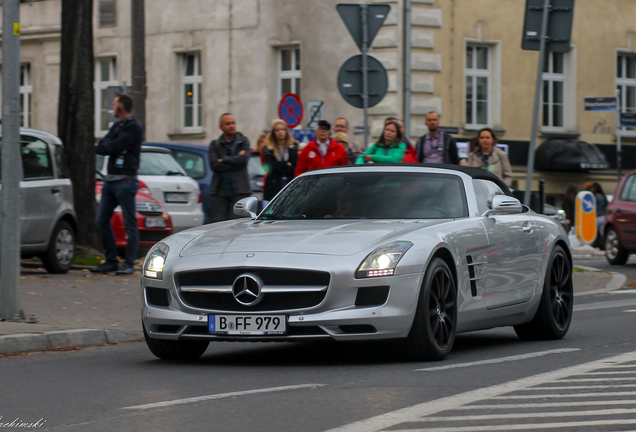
388, 149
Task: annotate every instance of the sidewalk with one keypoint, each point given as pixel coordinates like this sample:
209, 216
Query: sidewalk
80, 309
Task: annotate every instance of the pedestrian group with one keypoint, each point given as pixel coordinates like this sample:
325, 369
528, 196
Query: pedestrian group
282, 160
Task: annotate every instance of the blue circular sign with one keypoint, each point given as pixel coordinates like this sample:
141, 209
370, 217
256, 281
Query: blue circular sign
588, 203
290, 110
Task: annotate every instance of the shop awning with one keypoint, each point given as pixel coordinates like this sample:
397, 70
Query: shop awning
565, 155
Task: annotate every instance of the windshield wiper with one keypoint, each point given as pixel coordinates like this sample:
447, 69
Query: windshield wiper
173, 173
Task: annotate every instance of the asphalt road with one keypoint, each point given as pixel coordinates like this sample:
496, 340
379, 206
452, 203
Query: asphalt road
491, 381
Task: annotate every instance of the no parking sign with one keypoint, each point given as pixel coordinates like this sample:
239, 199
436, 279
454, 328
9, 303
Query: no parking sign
586, 217
290, 110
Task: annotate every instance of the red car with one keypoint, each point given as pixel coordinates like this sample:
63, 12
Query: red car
620, 221
153, 221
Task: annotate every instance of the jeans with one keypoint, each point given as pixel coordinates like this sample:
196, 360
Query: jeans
222, 206
119, 193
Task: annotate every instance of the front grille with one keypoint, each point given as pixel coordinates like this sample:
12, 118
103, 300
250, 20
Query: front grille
270, 302
152, 236
269, 277
297, 280
148, 208
372, 296
157, 296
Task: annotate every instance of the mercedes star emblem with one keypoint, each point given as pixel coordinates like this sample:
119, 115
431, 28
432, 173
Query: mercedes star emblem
247, 289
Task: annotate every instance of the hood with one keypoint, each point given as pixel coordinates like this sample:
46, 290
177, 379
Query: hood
326, 237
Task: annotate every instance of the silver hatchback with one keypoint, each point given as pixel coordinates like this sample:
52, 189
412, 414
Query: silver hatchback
47, 215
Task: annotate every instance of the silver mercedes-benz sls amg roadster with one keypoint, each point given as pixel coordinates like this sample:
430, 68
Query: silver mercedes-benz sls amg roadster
411, 252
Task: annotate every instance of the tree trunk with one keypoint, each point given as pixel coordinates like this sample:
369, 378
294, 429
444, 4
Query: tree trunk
76, 119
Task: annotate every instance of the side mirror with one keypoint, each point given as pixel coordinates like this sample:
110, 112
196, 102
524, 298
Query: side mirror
504, 204
246, 207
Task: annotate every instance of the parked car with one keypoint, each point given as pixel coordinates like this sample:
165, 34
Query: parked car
620, 221
169, 184
48, 220
363, 252
193, 158
152, 220
556, 214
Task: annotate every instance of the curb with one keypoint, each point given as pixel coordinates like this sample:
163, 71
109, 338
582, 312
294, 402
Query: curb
617, 282
29, 342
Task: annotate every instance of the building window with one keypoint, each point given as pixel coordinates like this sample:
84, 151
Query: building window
107, 13
478, 74
25, 95
554, 85
191, 92
289, 72
105, 76
626, 84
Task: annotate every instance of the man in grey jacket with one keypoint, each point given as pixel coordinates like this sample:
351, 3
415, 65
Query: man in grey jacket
436, 146
228, 157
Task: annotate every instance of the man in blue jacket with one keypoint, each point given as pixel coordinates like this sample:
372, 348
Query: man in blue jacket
123, 145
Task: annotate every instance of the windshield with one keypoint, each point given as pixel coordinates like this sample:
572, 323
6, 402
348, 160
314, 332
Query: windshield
371, 195
154, 163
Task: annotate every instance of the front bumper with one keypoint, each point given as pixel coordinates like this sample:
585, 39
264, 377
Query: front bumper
336, 317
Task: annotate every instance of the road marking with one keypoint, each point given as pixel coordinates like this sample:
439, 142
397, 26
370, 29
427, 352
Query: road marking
553, 426
499, 360
221, 396
596, 379
548, 405
417, 412
581, 387
605, 412
633, 310
576, 395
623, 291
610, 373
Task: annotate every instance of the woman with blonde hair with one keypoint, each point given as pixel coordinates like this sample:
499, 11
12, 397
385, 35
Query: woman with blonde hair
280, 155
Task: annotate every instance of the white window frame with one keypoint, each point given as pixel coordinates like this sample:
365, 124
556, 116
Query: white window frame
474, 73
26, 95
621, 84
102, 85
551, 77
294, 74
196, 81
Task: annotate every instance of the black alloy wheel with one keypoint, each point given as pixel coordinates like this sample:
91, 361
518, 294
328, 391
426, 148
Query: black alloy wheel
433, 331
554, 315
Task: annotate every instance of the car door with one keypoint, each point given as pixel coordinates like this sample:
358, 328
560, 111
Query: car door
512, 255
41, 191
625, 213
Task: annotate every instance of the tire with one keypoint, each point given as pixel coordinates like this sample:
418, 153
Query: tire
615, 253
175, 350
433, 331
554, 315
59, 256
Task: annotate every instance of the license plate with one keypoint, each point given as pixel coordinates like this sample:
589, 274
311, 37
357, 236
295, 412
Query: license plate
155, 222
247, 324
176, 197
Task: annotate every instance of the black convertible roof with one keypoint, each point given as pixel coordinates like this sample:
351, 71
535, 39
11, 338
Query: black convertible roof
476, 173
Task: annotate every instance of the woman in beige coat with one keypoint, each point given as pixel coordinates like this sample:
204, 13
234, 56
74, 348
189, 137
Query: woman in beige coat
490, 157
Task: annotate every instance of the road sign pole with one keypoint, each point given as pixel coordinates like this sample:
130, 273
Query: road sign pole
619, 156
11, 161
365, 73
537, 101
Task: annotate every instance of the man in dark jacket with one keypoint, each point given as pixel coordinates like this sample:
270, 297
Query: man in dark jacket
122, 145
436, 146
228, 156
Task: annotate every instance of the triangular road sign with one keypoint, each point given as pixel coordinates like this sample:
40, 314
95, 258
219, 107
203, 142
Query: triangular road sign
351, 15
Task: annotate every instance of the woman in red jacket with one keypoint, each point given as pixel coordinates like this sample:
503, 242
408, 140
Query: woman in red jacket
322, 152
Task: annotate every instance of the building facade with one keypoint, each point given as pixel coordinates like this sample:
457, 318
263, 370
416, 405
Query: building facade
204, 58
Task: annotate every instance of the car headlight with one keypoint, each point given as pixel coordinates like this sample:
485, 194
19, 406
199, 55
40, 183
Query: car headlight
155, 261
383, 260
